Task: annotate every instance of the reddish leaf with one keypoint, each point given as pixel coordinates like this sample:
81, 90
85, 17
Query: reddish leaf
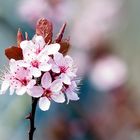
65, 46
14, 53
26, 36
60, 34
20, 37
45, 29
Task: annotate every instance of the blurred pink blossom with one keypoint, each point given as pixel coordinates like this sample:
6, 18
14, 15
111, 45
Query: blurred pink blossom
57, 11
96, 21
31, 10
108, 73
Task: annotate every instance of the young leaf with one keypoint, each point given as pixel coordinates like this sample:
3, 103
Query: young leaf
14, 53
65, 46
44, 28
26, 36
19, 37
60, 34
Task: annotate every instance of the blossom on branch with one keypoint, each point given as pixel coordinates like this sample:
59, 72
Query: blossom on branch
41, 68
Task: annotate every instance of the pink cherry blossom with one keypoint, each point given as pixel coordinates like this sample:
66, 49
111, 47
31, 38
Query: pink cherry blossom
65, 66
43, 73
36, 54
71, 92
50, 90
19, 79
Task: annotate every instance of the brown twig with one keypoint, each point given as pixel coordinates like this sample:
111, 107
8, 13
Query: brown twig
31, 117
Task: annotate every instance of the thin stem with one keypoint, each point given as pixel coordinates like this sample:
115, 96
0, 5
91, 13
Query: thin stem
31, 117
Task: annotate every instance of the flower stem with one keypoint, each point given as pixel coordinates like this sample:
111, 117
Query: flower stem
31, 117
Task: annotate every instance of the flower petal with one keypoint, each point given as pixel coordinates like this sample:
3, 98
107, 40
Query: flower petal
65, 79
35, 72
31, 84
55, 69
46, 80
59, 59
72, 96
39, 40
44, 28
36, 91
68, 61
71, 73
21, 90
45, 67
5, 85
29, 55
65, 46
14, 53
59, 98
42, 57
44, 103
52, 49
26, 44
12, 90
56, 86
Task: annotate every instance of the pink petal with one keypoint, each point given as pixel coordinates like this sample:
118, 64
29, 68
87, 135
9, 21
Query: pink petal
21, 90
59, 98
35, 72
56, 86
65, 79
45, 67
13, 65
31, 84
68, 61
46, 80
44, 103
5, 85
52, 49
12, 90
59, 59
55, 69
42, 57
74, 85
29, 55
36, 91
72, 96
39, 41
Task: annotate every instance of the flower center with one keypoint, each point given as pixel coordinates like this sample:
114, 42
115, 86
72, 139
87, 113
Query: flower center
24, 82
38, 50
35, 63
63, 69
47, 93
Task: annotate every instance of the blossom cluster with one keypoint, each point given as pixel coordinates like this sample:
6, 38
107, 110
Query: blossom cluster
42, 70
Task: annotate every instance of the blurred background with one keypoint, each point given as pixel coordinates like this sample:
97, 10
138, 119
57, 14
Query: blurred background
105, 44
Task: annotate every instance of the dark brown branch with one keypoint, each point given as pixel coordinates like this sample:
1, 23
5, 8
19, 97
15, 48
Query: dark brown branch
31, 117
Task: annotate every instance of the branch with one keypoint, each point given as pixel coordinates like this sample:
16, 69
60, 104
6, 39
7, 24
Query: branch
31, 117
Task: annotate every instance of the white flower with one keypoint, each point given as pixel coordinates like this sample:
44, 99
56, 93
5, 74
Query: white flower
39, 58
36, 54
71, 92
49, 90
19, 79
65, 66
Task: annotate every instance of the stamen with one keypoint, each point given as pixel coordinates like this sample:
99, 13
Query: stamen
63, 69
35, 63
